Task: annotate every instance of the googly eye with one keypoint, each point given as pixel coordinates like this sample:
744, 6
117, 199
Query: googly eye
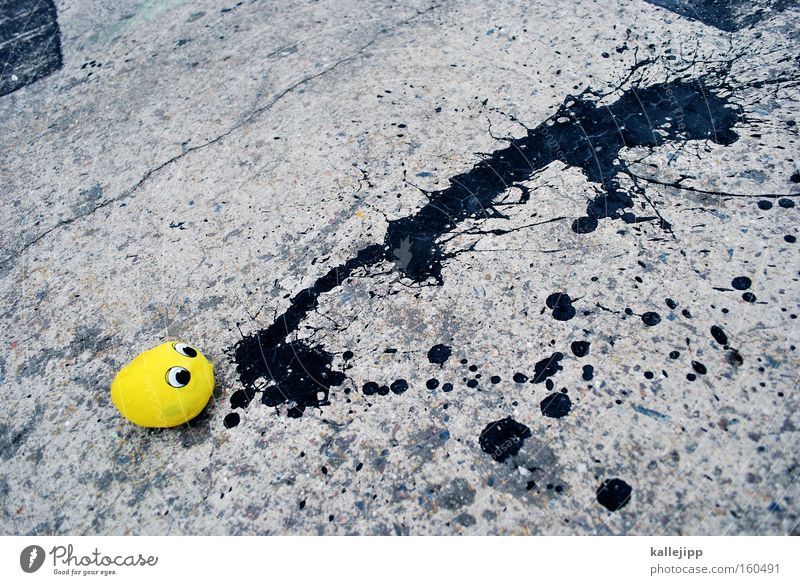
185, 350
178, 377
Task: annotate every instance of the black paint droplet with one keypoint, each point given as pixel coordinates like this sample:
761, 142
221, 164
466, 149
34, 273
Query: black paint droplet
520, 378
447, 387
302, 504
674, 354
370, 388
749, 297
561, 305
231, 420
789, 239
439, 353
399, 386
651, 318
473, 383
580, 348
786, 203
547, 367
347, 356
588, 372
503, 438
765, 204
741, 283
495, 379
719, 335
699, 368
556, 405
671, 304
432, 384
614, 494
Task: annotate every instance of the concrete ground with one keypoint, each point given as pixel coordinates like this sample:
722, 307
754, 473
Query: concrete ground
393, 227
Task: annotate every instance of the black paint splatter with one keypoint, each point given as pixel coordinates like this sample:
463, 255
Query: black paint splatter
588, 372
561, 305
556, 405
741, 283
719, 335
399, 386
580, 348
300, 374
614, 494
547, 367
231, 420
651, 318
503, 438
439, 354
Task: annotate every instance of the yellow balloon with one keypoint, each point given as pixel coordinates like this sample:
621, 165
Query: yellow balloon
164, 387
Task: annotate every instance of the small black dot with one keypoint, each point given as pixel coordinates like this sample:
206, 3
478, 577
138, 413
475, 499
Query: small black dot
789, 239
495, 379
432, 384
786, 203
764, 204
231, 420
447, 387
520, 378
749, 297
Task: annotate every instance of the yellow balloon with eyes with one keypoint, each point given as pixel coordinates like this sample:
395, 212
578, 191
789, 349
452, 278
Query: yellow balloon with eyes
164, 387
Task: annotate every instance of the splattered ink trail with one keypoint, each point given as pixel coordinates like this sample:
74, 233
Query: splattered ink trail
300, 375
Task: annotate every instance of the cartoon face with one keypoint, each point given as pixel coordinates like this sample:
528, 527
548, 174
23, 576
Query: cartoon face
164, 387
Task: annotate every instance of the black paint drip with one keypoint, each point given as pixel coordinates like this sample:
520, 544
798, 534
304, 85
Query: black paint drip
614, 494
503, 438
300, 374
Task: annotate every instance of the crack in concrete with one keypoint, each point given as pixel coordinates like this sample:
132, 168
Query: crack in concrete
254, 114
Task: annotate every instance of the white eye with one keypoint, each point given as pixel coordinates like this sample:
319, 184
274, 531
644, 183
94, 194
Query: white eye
185, 350
178, 377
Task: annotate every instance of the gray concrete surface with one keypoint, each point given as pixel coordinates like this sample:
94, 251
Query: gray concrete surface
194, 165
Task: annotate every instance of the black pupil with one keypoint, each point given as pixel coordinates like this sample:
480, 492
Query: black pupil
182, 377
190, 351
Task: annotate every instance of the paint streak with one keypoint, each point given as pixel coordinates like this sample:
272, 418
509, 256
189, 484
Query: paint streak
582, 134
